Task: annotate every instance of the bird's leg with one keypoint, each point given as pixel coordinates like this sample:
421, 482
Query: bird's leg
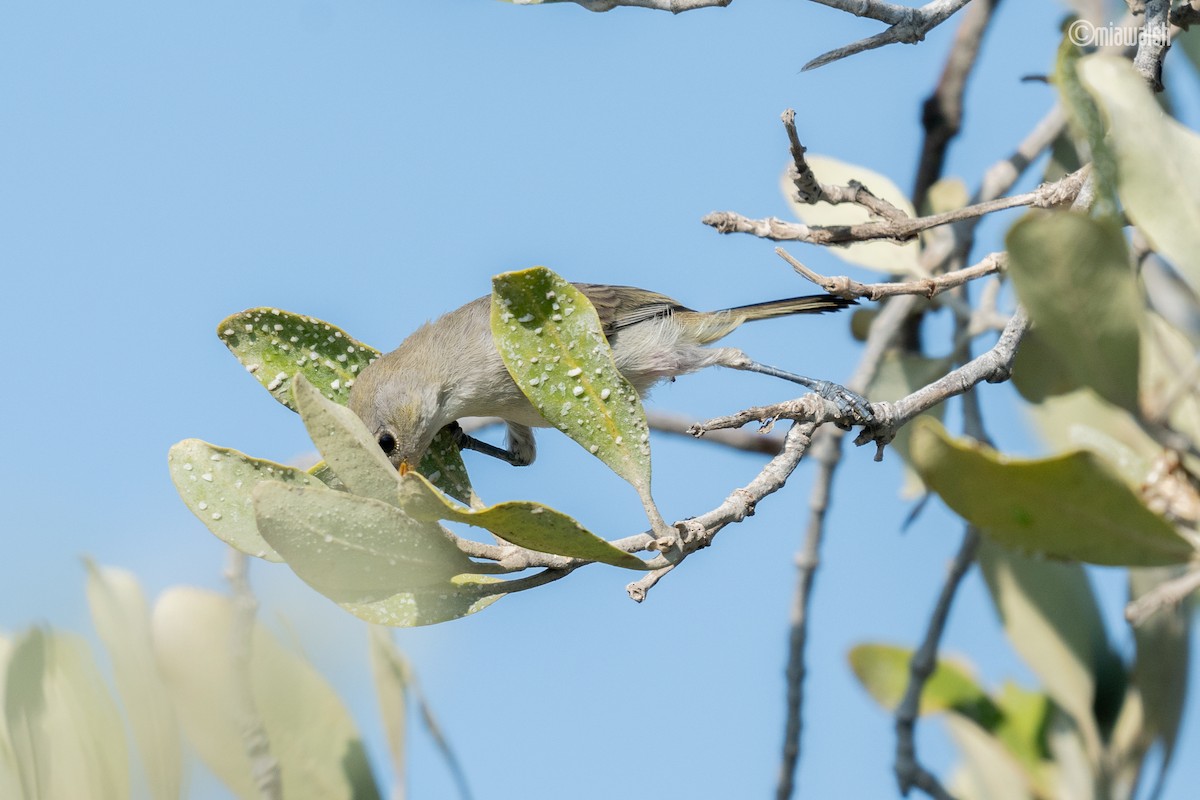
848, 402
521, 447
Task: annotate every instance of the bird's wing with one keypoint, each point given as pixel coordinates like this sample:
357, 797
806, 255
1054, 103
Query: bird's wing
622, 306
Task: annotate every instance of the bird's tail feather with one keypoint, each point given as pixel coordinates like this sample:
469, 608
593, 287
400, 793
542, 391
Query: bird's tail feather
809, 304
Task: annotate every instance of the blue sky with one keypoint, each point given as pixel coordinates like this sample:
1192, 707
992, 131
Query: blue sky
373, 164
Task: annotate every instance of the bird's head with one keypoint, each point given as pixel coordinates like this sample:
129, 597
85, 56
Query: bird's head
400, 409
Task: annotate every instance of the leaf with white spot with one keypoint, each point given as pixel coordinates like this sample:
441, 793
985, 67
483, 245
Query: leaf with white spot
883, 256
351, 548
523, 523
275, 345
551, 341
311, 734
217, 484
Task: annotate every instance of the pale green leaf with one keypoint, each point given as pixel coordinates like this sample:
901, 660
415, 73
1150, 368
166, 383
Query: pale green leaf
1160, 670
1087, 128
10, 784
1072, 506
551, 341
1050, 615
1082, 421
523, 523
1158, 161
217, 484
883, 256
1072, 274
989, 771
121, 616
883, 670
391, 674
442, 464
458, 597
1021, 728
275, 345
309, 731
351, 548
1170, 379
350, 450
67, 736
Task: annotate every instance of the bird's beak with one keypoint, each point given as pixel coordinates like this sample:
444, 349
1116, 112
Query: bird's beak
404, 467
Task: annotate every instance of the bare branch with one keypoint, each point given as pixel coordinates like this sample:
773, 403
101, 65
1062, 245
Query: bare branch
1061, 191
941, 114
674, 6
908, 25
751, 442
1153, 43
843, 286
828, 452
1166, 595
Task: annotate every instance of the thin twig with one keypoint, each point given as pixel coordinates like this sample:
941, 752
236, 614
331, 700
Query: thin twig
908, 25
828, 452
1153, 43
674, 6
843, 286
1047, 195
942, 112
1168, 594
909, 771
264, 767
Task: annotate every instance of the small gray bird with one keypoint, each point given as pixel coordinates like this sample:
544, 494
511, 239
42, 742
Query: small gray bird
449, 368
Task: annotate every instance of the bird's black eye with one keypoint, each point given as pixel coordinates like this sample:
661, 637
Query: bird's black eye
387, 442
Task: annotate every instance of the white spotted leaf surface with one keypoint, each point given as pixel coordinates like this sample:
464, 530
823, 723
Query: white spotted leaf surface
274, 346
217, 484
354, 549
550, 338
523, 523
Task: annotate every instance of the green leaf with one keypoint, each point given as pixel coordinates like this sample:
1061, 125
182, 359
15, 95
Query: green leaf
551, 341
1022, 728
523, 523
275, 345
1039, 372
1072, 274
1073, 506
351, 548
392, 675
1050, 615
989, 770
122, 619
67, 736
883, 256
309, 731
1082, 421
1158, 161
1169, 380
442, 464
348, 447
458, 597
1160, 670
1084, 121
217, 484
883, 670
